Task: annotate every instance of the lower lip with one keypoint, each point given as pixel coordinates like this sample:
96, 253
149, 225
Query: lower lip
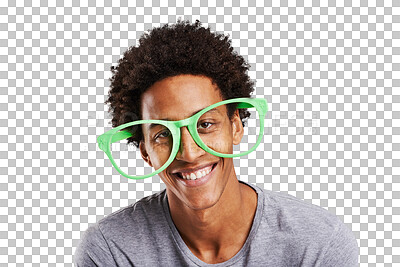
197, 182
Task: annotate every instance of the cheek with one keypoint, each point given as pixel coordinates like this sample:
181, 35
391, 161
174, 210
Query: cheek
222, 143
159, 156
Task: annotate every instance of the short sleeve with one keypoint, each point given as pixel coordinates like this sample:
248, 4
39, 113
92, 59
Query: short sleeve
342, 250
93, 250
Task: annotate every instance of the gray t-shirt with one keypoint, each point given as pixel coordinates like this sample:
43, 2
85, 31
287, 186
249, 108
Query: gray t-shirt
286, 231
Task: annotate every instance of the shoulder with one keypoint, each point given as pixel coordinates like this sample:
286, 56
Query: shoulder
312, 227
134, 221
129, 223
93, 249
296, 215
134, 213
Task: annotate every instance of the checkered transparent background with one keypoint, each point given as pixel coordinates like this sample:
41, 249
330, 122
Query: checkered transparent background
330, 72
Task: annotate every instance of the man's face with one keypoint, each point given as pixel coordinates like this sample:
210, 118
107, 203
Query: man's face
177, 98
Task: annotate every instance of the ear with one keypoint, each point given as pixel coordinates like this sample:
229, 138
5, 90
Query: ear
237, 128
144, 153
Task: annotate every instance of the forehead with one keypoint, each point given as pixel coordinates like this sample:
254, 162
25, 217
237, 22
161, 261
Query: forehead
178, 97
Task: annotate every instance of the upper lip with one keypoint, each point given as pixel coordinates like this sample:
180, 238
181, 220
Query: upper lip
189, 170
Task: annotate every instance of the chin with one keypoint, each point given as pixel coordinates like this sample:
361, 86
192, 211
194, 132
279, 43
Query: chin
203, 202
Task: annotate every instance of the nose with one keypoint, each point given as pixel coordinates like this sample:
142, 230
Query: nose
188, 149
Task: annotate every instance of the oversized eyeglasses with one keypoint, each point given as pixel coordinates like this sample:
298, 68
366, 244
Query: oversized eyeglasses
162, 138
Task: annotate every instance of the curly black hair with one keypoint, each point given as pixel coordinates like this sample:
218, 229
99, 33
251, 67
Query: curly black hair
170, 50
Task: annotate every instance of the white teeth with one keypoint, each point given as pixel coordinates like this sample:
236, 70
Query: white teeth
197, 175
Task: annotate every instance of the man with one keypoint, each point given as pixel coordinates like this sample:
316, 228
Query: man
205, 215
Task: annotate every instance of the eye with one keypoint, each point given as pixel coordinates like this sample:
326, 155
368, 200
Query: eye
163, 134
205, 124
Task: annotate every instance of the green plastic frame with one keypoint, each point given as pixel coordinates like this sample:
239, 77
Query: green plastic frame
114, 135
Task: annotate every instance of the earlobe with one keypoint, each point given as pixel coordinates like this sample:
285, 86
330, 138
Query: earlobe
237, 128
144, 154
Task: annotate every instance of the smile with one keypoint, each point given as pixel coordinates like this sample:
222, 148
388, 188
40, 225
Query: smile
197, 174
196, 178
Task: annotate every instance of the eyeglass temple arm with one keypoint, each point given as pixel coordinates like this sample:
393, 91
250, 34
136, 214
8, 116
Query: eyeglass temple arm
121, 135
102, 139
262, 103
244, 105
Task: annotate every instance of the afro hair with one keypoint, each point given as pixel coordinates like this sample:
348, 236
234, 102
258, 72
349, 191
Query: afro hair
170, 50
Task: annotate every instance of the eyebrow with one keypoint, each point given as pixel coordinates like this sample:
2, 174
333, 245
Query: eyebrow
214, 109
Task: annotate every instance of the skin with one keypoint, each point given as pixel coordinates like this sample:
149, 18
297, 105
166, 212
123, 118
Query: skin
213, 219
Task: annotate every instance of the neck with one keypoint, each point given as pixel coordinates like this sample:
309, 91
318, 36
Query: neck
217, 233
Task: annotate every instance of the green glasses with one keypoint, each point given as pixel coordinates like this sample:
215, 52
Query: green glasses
209, 128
